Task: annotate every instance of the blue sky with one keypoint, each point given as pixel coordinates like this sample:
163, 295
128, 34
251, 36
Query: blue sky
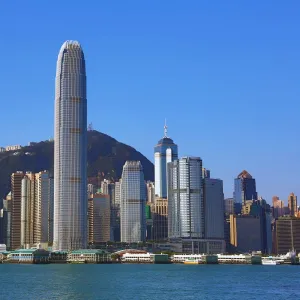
225, 74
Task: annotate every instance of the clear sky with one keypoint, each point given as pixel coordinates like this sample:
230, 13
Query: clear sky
225, 74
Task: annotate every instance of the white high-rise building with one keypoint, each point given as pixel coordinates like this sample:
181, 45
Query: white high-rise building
164, 152
70, 150
185, 199
133, 203
150, 192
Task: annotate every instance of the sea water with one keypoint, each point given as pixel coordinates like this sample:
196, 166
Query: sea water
146, 281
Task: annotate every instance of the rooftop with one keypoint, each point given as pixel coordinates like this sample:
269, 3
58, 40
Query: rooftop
244, 174
89, 251
28, 251
165, 141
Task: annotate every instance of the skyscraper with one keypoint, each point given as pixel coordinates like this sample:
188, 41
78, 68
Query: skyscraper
108, 188
115, 213
133, 202
16, 191
43, 208
36, 209
70, 150
185, 202
287, 234
244, 189
278, 207
27, 210
150, 192
229, 206
159, 211
5, 215
214, 208
292, 203
245, 233
164, 152
99, 218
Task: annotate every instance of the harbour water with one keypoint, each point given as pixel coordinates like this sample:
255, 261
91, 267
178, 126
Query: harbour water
147, 281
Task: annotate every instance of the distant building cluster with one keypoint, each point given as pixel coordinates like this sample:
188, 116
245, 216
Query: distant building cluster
183, 210
10, 148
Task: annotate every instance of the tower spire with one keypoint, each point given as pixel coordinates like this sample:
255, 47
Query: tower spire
165, 129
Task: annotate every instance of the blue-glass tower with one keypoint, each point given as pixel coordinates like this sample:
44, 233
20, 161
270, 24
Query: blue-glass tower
164, 152
244, 189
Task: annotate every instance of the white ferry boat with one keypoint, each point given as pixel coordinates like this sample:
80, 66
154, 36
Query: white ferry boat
269, 261
192, 261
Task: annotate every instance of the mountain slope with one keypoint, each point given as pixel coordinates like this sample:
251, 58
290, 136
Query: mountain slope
106, 157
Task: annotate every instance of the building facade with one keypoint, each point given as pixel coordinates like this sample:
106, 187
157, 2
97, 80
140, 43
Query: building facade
292, 204
287, 235
133, 202
278, 207
150, 192
13, 147
99, 218
213, 208
36, 209
27, 210
70, 150
164, 152
245, 233
260, 208
5, 215
115, 213
16, 196
185, 202
159, 210
229, 206
43, 208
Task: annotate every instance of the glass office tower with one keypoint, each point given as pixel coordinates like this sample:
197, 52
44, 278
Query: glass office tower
244, 189
133, 203
70, 150
164, 152
185, 202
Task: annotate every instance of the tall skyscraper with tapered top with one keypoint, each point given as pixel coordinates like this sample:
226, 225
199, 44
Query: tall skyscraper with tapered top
70, 150
164, 152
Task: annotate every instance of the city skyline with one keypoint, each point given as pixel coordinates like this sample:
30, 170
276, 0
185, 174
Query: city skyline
205, 62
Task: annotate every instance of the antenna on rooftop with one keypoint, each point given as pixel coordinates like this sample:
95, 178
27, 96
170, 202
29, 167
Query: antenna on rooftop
165, 129
90, 127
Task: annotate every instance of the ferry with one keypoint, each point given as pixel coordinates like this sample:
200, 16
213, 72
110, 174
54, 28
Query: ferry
192, 262
269, 261
77, 261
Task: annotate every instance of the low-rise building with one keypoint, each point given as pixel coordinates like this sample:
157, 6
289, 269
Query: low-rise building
144, 258
13, 147
180, 258
33, 256
89, 256
2, 248
58, 257
2, 149
207, 246
234, 259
